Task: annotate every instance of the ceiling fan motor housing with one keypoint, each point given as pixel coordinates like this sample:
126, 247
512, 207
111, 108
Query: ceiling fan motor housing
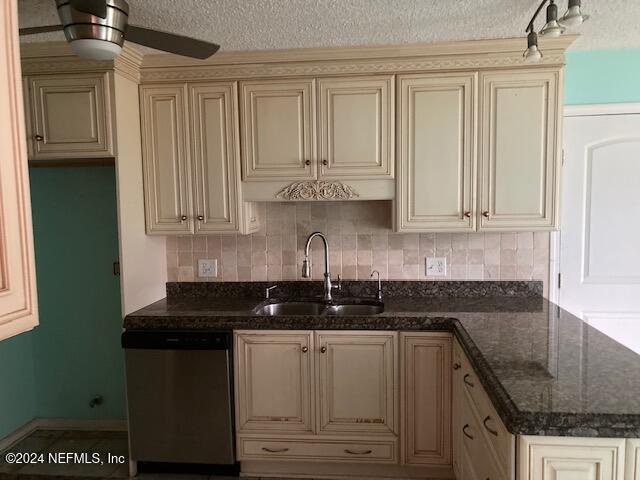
84, 26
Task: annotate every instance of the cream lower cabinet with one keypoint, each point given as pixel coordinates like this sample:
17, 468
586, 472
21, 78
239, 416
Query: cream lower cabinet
520, 149
191, 160
69, 116
632, 453
435, 188
303, 395
553, 458
426, 398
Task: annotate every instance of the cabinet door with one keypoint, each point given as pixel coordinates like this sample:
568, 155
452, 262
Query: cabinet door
215, 157
456, 413
356, 127
357, 377
520, 149
70, 116
273, 381
165, 158
436, 171
633, 460
18, 299
278, 130
426, 391
551, 458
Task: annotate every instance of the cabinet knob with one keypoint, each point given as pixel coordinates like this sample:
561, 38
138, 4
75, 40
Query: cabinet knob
467, 434
466, 380
305, 349
38, 137
200, 217
307, 162
489, 429
456, 366
324, 162
485, 214
467, 214
323, 350
183, 218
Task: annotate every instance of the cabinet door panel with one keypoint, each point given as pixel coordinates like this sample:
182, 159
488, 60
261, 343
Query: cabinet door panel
72, 115
166, 161
357, 382
436, 173
278, 125
632, 460
274, 388
553, 458
426, 387
216, 159
356, 127
520, 133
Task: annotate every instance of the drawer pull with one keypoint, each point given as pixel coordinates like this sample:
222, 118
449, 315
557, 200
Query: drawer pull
464, 430
489, 429
275, 450
358, 452
467, 381
38, 137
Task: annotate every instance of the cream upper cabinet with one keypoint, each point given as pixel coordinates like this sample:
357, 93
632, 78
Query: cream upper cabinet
356, 131
273, 378
191, 160
552, 458
215, 157
168, 202
426, 398
278, 129
18, 299
435, 188
69, 116
520, 149
357, 377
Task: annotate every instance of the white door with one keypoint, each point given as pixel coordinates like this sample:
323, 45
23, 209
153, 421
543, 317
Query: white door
600, 232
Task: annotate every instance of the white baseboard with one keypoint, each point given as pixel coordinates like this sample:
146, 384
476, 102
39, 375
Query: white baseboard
61, 424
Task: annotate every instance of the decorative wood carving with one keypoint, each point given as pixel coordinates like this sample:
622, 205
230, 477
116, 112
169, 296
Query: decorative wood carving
317, 190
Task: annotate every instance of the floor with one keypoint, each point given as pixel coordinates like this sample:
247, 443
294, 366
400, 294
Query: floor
77, 441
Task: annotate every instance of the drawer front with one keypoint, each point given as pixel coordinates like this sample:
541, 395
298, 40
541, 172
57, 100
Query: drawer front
369, 452
490, 426
475, 445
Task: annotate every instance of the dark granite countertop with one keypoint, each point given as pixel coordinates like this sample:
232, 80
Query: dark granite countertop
546, 371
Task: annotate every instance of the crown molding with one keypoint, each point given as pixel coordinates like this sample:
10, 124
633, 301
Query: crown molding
57, 57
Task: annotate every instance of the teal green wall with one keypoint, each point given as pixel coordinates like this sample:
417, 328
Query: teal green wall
602, 76
74, 353
17, 380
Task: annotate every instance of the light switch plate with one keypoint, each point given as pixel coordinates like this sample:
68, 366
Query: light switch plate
207, 267
435, 266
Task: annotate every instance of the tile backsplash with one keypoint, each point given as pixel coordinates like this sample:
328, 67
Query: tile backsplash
360, 240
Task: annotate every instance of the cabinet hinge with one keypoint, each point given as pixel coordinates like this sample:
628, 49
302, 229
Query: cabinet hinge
559, 280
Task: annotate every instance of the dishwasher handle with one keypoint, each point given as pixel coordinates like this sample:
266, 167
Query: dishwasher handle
176, 340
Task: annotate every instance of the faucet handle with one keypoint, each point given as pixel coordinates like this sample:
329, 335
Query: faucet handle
338, 287
267, 291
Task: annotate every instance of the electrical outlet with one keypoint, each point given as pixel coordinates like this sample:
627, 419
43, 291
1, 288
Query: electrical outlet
435, 266
207, 267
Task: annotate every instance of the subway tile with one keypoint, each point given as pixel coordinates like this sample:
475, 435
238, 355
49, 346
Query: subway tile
172, 243
492, 256
199, 244
524, 257
185, 259
185, 244
427, 242
507, 272
491, 240
507, 257
364, 242
244, 273
396, 257
214, 245
475, 272
475, 257
458, 272
541, 240
349, 242
364, 257
349, 272
508, 241
258, 273
364, 272
525, 240
443, 241
411, 257
459, 241
491, 272
396, 242
380, 242
476, 241
410, 241
458, 257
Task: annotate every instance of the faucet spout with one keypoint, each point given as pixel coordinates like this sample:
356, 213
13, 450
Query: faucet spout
306, 265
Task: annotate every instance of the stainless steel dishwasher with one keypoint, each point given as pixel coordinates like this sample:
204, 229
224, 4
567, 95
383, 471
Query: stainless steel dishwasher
179, 397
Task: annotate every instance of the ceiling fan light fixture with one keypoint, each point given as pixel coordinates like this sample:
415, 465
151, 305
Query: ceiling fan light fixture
532, 54
552, 28
93, 49
574, 17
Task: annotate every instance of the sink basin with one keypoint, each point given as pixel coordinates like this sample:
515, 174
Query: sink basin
291, 308
354, 309
316, 308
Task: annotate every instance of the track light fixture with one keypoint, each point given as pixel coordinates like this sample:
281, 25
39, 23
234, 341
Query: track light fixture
554, 26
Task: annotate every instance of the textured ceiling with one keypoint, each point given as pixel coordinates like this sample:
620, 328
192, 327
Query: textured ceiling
266, 24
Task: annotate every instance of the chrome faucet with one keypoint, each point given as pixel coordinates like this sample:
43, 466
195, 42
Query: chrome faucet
379, 293
306, 265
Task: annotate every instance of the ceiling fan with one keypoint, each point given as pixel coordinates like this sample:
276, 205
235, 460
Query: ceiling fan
97, 29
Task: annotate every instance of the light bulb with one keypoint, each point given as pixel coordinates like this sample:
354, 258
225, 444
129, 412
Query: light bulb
532, 54
573, 16
552, 28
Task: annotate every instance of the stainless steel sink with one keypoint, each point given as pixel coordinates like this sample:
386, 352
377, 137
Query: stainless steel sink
291, 308
354, 309
316, 308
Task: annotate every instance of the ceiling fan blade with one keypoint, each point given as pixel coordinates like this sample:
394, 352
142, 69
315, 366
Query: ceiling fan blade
170, 42
34, 30
97, 8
